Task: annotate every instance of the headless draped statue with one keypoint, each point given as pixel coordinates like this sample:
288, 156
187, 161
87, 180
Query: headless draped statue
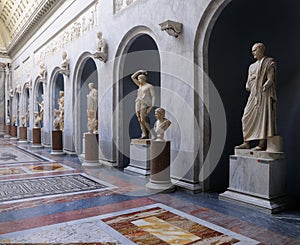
259, 118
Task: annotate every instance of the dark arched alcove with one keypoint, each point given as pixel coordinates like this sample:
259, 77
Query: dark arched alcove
142, 53
240, 25
87, 75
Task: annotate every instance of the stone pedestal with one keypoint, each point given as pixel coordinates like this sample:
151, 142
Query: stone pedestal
139, 157
258, 179
14, 132
82, 155
36, 138
91, 156
7, 132
57, 142
23, 135
160, 180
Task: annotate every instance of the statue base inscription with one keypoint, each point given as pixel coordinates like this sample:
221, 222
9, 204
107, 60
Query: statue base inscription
91, 156
57, 142
139, 157
257, 182
23, 135
160, 180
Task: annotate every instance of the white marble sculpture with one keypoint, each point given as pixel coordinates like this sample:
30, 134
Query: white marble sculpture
14, 120
161, 124
43, 71
102, 49
41, 105
144, 102
36, 119
92, 106
28, 110
23, 121
259, 118
65, 65
61, 108
56, 122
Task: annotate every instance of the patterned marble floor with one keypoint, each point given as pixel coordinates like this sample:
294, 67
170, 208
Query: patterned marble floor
94, 216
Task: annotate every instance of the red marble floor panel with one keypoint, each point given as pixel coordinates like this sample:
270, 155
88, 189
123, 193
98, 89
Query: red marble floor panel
18, 225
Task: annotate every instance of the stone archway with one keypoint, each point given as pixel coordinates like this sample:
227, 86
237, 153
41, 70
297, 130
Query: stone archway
225, 35
140, 51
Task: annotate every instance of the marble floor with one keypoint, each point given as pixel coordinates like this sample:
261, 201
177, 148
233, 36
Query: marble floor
118, 209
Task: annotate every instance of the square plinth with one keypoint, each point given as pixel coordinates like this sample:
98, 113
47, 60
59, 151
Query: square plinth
258, 182
139, 157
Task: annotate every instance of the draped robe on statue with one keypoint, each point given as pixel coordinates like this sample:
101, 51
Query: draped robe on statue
259, 119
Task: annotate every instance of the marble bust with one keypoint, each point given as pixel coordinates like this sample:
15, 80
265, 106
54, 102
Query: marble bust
161, 124
259, 118
43, 72
144, 101
65, 65
14, 120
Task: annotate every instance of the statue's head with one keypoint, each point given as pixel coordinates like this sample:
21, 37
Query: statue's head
91, 85
142, 78
160, 113
258, 50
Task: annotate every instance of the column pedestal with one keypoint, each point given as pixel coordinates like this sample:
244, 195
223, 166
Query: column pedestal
160, 180
23, 135
7, 132
91, 157
139, 157
14, 133
258, 180
57, 143
36, 138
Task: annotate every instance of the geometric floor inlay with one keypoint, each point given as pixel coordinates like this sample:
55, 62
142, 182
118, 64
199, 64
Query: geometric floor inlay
166, 226
19, 189
14, 154
160, 224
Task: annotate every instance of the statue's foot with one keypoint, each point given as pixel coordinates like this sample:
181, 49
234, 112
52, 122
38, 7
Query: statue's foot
258, 148
245, 145
144, 137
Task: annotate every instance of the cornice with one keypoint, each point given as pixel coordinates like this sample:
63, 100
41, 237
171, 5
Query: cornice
37, 19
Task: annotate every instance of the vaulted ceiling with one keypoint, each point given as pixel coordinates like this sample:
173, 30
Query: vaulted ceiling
17, 17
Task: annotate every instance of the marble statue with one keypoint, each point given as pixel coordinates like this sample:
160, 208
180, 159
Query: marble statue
61, 108
56, 122
42, 71
28, 110
144, 102
41, 105
23, 121
8, 121
92, 106
259, 118
65, 61
14, 120
161, 124
102, 50
36, 119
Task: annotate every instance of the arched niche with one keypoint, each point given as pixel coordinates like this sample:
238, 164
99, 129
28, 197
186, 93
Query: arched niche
86, 72
139, 52
226, 36
57, 85
38, 98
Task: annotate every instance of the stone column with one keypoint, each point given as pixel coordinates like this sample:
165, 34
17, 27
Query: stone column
160, 180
